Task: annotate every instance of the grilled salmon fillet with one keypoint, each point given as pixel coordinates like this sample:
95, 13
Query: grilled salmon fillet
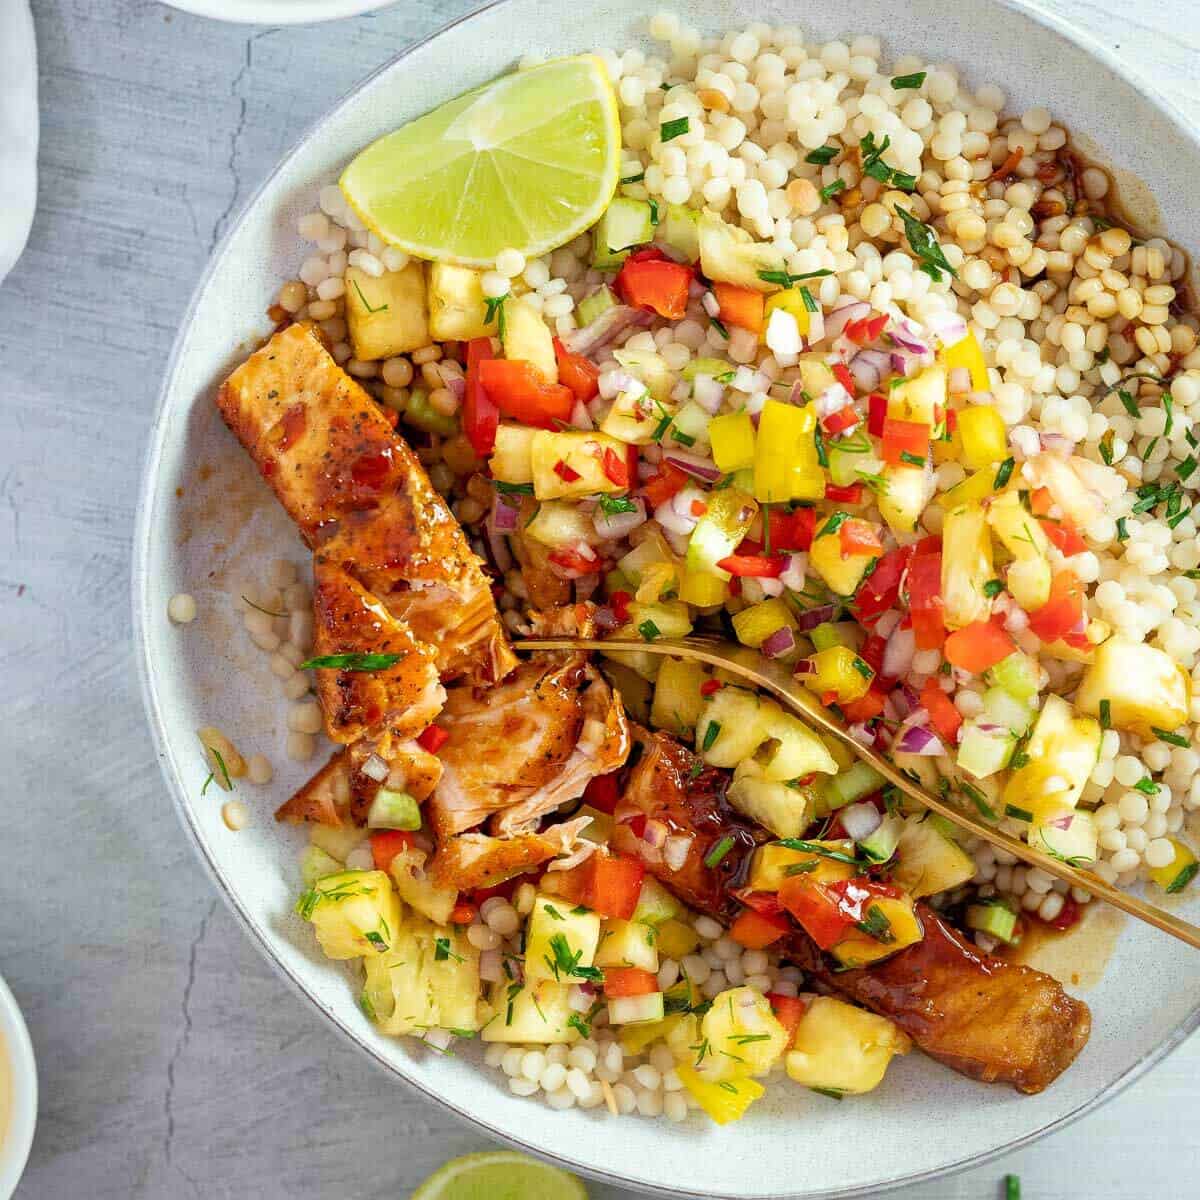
362, 500
984, 1017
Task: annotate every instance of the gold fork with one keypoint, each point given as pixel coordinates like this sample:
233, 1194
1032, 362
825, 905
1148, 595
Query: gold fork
754, 669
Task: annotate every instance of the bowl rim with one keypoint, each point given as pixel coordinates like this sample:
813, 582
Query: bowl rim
140, 597
276, 12
17, 1141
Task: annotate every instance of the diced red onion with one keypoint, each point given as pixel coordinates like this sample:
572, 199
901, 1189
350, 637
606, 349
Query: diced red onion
805, 666
947, 327
816, 327
605, 329
898, 653
655, 834
677, 541
863, 735
1057, 443
868, 368
814, 617
860, 820
605, 618
491, 966
439, 1039
675, 850
781, 642
375, 768
457, 386
793, 575
754, 405
696, 465
504, 514
918, 739
908, 335
579, 999
770, 587
895, 706
581, 418
585, 587
837, 320
832, 399
958, 382
707, 393
613, 526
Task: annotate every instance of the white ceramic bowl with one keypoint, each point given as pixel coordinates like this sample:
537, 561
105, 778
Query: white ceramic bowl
277, 12
925, 1120
16, 1048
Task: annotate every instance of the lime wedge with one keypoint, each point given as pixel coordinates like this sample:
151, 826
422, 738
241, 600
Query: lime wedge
499, 1175
527, 161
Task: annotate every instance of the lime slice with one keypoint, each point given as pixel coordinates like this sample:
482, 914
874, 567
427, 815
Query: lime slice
499, 1175
529, 161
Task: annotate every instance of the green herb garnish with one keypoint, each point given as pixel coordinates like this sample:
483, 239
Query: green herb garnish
718, 852
366, 305
1105, 714
925, 246
495, 312
1003, 473
876, 924
992, 588
611, 505
903, 82
669, 130
822, 155
823, 851
648, 630
1022, 814
1165, 735
831, 190
442, 951
352, 662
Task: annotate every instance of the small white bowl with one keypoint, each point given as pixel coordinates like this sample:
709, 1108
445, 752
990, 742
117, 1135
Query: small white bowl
16, 1058
277, 12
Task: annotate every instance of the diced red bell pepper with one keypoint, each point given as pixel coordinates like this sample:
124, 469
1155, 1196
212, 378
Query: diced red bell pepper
754, 566
789, 1011
710, 687
740, 306
481, 414
1063, 535
850, 494
607, 884
581, 375
925, 600
865, 331
841, 373
872, 651
566, 472
902, 438
792, 530
669, 480
629, 981
880, 590
1040, 502
864, 708
386, 844
817, 908
876, 413
1063, 611
943, 715
756, 930
840, 421
656, 284
977, 646
463, 913
859, 537
432, 738
1068, 915
616, 468
620, 602
520, 391
602, 792
761, 902
572, 560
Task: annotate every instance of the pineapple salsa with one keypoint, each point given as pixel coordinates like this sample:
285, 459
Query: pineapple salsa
859, 370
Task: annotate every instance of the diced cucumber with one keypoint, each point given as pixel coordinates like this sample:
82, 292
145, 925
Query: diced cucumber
881, 845
316, 864
681, 231
853, 784
1018, 675
635, 1010
646, 554
627, 944
626, 223
393, 809
994, 918
983, 752
712, 367
655, 904
677, 701
337, 840
558, 932
421, 414
828, 634
1000, 707
670, 618
601, 827
690, 427
928, 861
595, 303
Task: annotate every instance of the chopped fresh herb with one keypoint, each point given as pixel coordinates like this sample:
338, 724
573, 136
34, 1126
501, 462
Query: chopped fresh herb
576, 1021
719, 327
1147, 786
785, 279
718, 852
862, 668
833, 524
694, 771
1122, 529
978, 799
801, 868
874, 166
822, 155
366, 303
831, 190
1021, 814
832, 1093
352, 662
634, 178
1003, 473
552, 911
1129, 402
746, 1039
876, 483
648, 630
673, 129
913, 460
495, 312
876, 924
566, 961
1168, 403
226, 782
1183, 878
1165, 735
1018, 760
925, 246
442, 951
259, 608
903, 82
611, 505
1185, 468
1105, 714
514, 990
684, 439
711, 734
653, 210
819, 443
508, 489
809, 302
364, 1002
1012, 1187
376, 940
993, 588
725, 377
703, 1050
1173, 521
823, 851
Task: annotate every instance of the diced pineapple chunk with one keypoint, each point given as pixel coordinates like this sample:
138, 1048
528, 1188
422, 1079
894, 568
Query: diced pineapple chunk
839, 670
561, 938
919, 399
1029, 573
739, 1036
428, 980
634, 417
785, 811
757, 622
895, 924
729, 254
966, 567
677, 700
1179, 872
512, 458
724, 1101
903, 498
1062, 750
527, 337
1064, 832
773, 863
559, 523
735, 712
386, 315
538, 1012
416, 887
627, 944
927, 861
338, 840
575, 464
354, 913
842, 1048
650, 367
841, 572
457, 308
677, 939
1145, 687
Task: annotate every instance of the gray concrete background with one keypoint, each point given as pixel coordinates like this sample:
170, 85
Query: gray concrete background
173, 1061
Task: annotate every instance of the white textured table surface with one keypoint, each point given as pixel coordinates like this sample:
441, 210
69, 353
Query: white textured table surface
173, 1061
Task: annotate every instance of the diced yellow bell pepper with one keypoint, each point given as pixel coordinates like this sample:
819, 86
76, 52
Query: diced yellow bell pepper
636, 1038
897, 926
966, 353
732, 438
785, 456
1179, 872
657, 579
984, 438
755, 624
919, 398
841, 572
770, 865
841, 671
676, 939
951, 451
725, 1101
791, 301
975, 489
703, 590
